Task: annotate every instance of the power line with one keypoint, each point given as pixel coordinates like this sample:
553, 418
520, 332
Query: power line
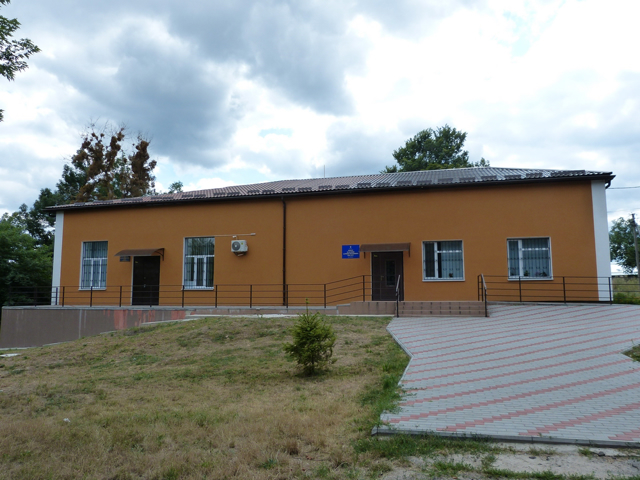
621, 188
624, 208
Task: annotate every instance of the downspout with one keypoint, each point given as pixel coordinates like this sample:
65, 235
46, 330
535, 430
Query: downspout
284, 252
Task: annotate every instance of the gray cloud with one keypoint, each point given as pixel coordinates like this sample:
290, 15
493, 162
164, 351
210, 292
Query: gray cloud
112, 65
300, 49
354, 151
153, 88
22, 174
414, 18
284, 164
561, 115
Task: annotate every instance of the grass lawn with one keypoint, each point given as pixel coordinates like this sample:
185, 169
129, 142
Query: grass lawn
212, 398
216, 398
634, 353
626, 289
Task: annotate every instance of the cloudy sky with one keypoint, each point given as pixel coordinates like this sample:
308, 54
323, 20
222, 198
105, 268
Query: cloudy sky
243, 91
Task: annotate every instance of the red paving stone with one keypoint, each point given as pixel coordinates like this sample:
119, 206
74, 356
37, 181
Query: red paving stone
466, 375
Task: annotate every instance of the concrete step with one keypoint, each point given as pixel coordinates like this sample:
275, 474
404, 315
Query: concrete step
414, 309
425, 309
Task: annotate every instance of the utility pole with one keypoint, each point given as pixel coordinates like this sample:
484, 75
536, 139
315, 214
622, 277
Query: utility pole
635, 243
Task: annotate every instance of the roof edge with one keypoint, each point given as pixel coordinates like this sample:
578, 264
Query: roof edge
441, 182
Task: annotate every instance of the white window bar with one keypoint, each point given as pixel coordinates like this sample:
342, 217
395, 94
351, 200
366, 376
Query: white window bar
94, 265
529, 258
443, 260
199, 253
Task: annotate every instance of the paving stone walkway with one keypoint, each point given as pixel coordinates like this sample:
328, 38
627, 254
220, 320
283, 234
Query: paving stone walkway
540, 372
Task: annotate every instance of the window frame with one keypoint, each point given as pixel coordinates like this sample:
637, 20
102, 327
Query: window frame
436, 251
103, 262
520, 260
184, 265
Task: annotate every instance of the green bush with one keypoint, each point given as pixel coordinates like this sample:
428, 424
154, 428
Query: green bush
312, 344
623, 297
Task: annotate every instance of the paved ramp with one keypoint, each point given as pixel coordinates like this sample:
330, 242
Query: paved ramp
540, 373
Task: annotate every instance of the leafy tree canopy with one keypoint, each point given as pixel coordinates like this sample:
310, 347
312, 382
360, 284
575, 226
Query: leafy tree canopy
433, 150
175, 187
106, 171
13, 53
35, 221
621, 244
23, 263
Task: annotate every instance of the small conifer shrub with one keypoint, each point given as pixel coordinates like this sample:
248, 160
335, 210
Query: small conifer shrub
312, 344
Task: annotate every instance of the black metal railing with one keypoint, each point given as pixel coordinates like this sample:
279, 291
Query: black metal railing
398, 296
563, 289
483, 292
250, 295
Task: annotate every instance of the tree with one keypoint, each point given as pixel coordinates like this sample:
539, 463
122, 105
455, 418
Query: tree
312, 344
13, 53
23, 263
36, 221
70, 184
433, 150
103, 171
175, 187
621, 244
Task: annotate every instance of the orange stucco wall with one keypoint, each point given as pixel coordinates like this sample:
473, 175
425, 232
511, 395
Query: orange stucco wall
317, 226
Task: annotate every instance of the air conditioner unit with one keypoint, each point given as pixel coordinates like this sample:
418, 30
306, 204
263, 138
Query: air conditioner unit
239, 246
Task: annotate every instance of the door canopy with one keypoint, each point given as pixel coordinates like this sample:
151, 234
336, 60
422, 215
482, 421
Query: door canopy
140, 252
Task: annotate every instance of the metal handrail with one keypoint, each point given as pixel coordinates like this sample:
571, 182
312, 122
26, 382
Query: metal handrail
484, 295
398, 297
232, 294
565, 289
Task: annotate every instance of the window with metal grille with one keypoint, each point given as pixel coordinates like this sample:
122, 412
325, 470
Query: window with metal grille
443, 260
529, 257
93, 272
198, 262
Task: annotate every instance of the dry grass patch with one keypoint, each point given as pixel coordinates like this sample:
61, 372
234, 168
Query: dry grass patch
626, 290
213, 398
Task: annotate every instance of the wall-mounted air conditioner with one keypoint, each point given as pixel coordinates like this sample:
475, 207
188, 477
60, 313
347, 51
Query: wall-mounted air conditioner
239, 246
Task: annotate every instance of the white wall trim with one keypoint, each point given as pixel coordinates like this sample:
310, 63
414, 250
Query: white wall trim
601, 236
57, 256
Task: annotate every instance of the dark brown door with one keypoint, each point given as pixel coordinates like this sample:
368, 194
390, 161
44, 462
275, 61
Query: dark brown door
386, 269
146, 281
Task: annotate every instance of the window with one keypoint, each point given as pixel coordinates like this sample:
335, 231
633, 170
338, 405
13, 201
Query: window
93, 272
198, 262
443, 260
529, 257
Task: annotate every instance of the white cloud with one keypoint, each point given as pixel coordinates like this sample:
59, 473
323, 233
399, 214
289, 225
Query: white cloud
535, 83
207, 183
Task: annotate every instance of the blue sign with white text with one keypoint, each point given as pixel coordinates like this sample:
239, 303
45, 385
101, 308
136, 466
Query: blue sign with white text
350, 251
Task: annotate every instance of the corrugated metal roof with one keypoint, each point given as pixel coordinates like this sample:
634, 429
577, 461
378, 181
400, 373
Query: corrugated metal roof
460, 177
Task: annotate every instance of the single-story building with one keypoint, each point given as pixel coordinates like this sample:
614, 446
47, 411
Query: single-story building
428, 235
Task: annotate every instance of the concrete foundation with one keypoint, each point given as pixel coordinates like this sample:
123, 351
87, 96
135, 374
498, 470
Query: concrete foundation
37, 326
